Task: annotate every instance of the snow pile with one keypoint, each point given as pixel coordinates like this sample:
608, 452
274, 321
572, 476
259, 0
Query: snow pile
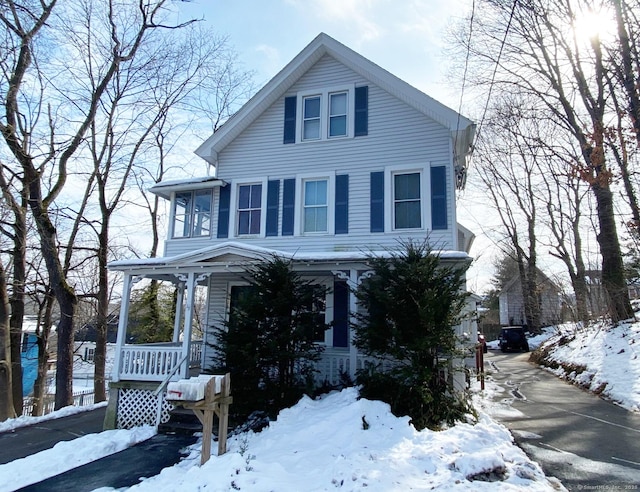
69, 454
342, 442
25, 420
601, 358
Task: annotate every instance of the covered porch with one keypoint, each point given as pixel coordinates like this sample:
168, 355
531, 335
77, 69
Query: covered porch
141, 371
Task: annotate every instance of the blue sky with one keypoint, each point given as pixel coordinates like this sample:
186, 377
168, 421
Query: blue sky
405, 38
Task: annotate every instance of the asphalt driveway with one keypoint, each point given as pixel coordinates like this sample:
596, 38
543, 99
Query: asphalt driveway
122, 469
32, 439
574, 435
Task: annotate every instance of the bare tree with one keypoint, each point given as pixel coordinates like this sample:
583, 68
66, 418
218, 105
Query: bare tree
25, 22
532, 48
508, 170
6, 394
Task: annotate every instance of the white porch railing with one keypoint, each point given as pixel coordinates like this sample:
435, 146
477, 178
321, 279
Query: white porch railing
148, 362
153, 362
195, 354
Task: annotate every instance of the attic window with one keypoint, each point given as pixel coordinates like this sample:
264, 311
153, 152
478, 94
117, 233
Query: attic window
338, 112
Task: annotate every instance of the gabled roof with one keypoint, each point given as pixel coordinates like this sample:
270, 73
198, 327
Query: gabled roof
542, 279
462, 129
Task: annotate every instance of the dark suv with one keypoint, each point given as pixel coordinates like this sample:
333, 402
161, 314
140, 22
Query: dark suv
513, 338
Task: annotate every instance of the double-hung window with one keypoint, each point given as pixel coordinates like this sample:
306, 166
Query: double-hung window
338, 111
407, 207
192, 214
249, 209
311, 118
315, 206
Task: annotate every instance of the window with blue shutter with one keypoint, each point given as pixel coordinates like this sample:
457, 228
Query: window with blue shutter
342, 204
439, 198
361, 125
290, 120
377, 201
288, 206
223, 211
340, 314
273, 203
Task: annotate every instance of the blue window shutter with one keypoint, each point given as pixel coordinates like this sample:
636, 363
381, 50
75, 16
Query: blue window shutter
290, 119
223, 211
288, 206
439, 198
340, 314
342, 204
361, 126
377, 201
273, 202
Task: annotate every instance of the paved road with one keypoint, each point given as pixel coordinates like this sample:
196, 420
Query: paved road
586, 442
32, 439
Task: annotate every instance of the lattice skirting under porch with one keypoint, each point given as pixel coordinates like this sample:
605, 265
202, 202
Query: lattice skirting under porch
139, 406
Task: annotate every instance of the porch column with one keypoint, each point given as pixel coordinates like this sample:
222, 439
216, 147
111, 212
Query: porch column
122, 326
178, 316
353, 306
188, 321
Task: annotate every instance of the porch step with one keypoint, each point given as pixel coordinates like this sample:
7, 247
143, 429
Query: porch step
181, 422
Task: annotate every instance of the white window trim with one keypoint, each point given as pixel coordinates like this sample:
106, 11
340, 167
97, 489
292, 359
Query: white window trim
230, 285
326, 284
425, 196
235, 186
350, 89
328, 314
172, 215
298, 229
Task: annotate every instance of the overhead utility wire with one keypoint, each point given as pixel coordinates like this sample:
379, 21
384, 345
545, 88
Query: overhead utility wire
495, 69
464, 81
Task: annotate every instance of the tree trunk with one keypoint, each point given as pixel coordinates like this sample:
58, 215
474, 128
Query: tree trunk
102, 314
18, 255
63, 292
7, 410
613, 278
39, 387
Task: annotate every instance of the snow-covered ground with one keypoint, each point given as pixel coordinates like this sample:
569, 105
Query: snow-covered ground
320, 445
601, 358
323, 444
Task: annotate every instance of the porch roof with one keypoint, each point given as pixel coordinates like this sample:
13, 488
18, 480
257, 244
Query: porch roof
234, 254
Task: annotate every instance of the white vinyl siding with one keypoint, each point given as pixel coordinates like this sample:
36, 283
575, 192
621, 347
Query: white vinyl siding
398, 136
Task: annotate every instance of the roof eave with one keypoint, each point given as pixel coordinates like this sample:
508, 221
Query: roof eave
282, 82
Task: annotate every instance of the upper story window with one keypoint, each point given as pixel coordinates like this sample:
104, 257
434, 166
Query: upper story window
407, 208
316, 205
249, 209
337, 112
192, 213
311, 118
406, 198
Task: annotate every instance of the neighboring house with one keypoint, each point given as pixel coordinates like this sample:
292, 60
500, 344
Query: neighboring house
29, 354
334, 159
84, 348
512, 302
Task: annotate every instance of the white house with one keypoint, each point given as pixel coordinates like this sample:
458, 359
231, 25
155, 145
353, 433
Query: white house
332, 160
